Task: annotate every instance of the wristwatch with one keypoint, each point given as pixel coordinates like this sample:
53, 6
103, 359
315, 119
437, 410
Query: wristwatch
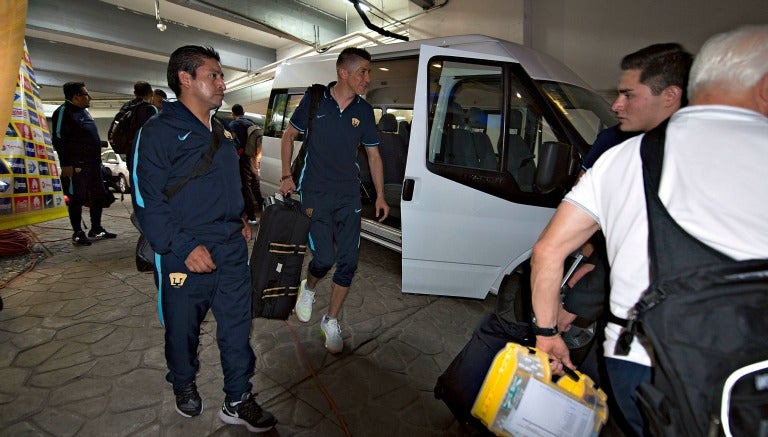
543, 332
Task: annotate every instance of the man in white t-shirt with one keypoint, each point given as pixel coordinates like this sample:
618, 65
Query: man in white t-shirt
712, 184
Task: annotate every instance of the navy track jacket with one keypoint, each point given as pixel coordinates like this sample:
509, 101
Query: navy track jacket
208, 209
75, 136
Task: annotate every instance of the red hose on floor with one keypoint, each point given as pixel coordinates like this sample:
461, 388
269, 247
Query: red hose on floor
15, 242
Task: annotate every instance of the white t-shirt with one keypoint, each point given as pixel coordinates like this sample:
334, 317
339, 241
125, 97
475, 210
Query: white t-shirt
713, 184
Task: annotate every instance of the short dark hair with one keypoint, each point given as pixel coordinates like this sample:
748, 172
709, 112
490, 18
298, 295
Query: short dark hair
237, 109
661, 66
142, 89
348, 55
161, 93
71, 89
189, 59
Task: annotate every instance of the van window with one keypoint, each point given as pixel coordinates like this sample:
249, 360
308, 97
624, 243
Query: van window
281, 107
401, 114
585, 110
468, 116
465, 97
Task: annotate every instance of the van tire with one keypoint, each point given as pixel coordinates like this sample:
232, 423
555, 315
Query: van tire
513, 302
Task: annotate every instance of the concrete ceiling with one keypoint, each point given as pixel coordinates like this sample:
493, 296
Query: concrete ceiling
110, 44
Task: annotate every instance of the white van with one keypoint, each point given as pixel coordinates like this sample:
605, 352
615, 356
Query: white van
496, 135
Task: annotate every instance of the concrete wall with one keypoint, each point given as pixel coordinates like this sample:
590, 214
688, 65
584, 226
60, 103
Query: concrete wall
591, 36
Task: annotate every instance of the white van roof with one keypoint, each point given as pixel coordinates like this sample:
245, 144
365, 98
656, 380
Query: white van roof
538, 65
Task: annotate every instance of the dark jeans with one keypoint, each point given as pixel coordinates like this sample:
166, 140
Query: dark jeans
251, 188
625, 377
85, 186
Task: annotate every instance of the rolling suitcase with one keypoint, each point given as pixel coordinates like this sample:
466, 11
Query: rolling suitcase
277, 258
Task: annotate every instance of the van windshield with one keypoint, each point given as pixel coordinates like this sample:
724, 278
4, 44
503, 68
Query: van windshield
588, 112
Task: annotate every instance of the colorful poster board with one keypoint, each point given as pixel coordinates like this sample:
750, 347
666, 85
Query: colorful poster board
30, 187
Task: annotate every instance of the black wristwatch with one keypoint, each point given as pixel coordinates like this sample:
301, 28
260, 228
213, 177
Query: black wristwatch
543, 332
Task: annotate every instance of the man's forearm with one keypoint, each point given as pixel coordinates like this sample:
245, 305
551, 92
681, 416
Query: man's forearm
546, 275
377, 174
286, 153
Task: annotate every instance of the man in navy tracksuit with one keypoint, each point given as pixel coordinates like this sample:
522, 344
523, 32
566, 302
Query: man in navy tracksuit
199, 236
76, 139
330, 183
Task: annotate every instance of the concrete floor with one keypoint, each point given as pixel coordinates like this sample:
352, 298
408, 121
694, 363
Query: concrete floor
81, 351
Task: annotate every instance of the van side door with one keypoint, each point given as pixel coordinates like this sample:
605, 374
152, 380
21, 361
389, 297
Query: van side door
471, 208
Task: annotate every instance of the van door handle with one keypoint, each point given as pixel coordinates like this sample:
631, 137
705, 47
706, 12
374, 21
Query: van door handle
408, 189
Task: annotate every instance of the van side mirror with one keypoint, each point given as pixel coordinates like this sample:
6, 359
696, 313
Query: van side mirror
555, 168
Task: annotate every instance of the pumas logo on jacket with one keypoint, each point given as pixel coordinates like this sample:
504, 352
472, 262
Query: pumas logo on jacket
177, 279
355, 122
228, 135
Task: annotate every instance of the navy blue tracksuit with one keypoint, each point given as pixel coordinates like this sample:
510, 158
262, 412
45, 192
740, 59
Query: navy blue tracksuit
207, 211
330, 181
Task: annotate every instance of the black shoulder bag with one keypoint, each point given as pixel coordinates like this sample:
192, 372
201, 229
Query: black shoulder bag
704, 316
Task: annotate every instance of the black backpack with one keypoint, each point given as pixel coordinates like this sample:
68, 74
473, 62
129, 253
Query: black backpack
704, 316
253, 135
253, 141
124, 127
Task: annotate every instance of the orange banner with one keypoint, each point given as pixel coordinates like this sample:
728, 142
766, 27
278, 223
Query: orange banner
14, 13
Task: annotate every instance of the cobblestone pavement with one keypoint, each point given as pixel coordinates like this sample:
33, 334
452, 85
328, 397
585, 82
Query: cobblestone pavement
81, 351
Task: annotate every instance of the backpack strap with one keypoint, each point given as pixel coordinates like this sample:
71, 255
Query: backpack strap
316, 92
205, 161
670, 247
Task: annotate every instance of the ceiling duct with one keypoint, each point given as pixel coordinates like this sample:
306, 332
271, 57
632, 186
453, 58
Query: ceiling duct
368, 24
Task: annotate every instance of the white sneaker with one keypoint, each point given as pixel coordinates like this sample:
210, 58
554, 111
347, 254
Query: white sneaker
304, 302
332, 331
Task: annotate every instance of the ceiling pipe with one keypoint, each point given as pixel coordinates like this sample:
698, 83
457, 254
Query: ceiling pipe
240, 83
368, 24
270, 68
395, 22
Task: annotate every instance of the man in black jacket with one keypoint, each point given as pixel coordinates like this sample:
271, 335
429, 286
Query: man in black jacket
144, 110
77, 142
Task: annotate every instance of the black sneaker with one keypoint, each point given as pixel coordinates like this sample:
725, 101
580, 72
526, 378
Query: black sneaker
247, 412
188, 401
80, 239
101, 233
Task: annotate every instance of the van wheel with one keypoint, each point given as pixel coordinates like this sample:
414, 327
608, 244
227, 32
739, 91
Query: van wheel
513, 303
122, 184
